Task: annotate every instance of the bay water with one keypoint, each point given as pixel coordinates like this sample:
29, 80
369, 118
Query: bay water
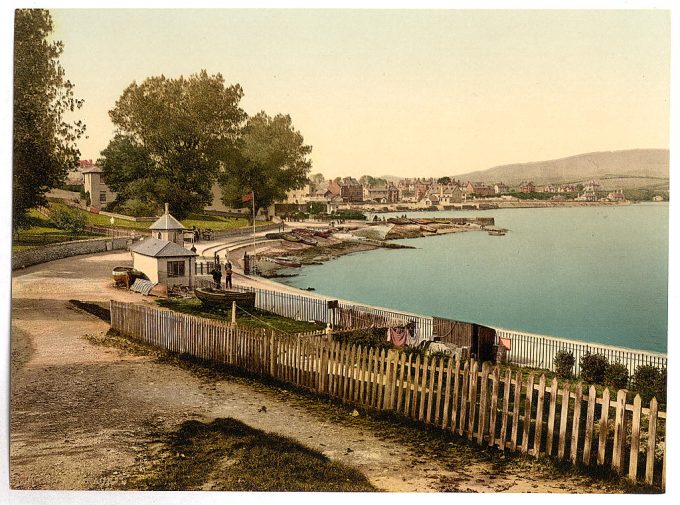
597, 274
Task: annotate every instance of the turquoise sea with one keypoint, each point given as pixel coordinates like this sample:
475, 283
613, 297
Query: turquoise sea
597, 274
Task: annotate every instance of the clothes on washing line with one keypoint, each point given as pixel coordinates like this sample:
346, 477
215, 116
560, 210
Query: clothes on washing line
505, 342
399, 337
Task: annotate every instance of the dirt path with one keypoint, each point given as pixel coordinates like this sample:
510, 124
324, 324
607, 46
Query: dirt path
83, 415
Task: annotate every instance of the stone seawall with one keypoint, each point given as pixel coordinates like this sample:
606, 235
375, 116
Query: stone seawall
22, 259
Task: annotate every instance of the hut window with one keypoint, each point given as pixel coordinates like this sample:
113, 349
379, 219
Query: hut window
175, 268
159, 235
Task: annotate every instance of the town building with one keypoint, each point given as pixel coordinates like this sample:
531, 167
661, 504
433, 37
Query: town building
479, 189
527, 187
351, 190
616, 196
382, 194
500, 189
300, 195
95, 185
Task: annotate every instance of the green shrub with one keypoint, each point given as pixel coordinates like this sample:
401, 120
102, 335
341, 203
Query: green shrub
593, 368
616, 375
373, 337
650, 382
564, 364
68, 219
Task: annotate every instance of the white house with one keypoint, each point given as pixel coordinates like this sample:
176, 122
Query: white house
164, 262
95, 185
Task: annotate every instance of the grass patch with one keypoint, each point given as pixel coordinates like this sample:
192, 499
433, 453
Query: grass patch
228, 455
199, 220
254, 318
42, 232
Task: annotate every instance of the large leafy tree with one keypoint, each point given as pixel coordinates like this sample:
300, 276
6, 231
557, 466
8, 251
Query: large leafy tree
171, 135
44, 144
269, 159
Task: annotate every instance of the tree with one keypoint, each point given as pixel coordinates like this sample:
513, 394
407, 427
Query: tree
269, 159
44, 144
315, 180
171, 135
444, 180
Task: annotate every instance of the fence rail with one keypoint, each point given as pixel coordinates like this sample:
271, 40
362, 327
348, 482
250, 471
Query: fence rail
488, 405
347, 315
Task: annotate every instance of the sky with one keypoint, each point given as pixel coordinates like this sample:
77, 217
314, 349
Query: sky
397, 92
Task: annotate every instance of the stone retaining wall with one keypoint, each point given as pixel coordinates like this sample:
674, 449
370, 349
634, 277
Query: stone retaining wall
22, 259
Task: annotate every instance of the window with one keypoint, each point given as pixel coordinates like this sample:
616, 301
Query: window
175, 268
102, 196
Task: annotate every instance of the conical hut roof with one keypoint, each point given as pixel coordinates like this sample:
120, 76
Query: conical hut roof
166, 222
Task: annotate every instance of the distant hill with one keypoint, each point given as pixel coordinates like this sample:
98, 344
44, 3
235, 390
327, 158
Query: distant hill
636, 167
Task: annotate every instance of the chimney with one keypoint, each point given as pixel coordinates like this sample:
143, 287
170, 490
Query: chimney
167, 208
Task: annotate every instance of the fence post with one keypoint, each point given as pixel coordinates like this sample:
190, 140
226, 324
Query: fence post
604, 417
526, 425
651, 442
272, 355
619, 430
578, 400
635, 439
538, 430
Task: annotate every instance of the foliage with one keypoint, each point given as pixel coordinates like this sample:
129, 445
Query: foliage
71, 220
413, 350
85, 195
137, 208
564, 364
616, 375
269, 159
316, 208
593, 368
369, 181
650, 382
44, 144
356, 215
315, 180
171, 137
444, 180
371, 337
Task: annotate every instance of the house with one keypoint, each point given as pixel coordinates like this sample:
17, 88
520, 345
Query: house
300, 195
382, 194
616, 196
351, 190
478, 188
658, 198
95, 184
527, 187
164, 262
500, 189
168, 228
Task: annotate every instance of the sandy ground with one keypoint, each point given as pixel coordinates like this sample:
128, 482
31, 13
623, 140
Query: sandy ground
82, 415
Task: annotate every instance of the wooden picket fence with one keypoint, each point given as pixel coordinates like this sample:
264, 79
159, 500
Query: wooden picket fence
489, 405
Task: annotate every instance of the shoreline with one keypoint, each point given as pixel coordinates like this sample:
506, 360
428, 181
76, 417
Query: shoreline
366, 238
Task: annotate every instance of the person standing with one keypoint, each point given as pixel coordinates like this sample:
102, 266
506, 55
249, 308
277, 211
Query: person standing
217, 276
227, 274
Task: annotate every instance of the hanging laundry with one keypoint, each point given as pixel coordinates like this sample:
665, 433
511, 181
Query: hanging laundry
399, 337
505, 342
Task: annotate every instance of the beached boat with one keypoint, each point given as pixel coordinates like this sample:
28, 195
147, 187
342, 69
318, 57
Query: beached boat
223, 297
290, 237
307, 240
126, 276
285, 262
428, 229
400, 221
273, 236
323, 233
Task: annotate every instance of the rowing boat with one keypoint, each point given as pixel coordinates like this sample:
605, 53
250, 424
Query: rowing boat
223, 297
126, 276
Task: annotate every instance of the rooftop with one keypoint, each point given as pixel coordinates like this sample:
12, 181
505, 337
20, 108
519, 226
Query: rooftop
157, 248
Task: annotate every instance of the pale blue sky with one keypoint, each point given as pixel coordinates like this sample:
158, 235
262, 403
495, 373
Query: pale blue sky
398, 92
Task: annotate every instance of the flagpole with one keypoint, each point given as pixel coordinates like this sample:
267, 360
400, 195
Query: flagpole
252, 194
